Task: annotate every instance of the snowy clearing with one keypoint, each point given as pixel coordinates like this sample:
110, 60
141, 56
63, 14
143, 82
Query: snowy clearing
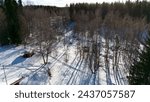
73, 71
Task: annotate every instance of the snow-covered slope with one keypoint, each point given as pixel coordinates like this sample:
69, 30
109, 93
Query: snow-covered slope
73, 71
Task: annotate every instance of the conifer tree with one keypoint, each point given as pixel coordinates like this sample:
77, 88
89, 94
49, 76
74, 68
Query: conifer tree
13, 27
139, 73
1, 2
20, 3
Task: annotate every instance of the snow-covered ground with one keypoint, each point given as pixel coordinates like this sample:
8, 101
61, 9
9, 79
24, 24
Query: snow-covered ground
73, 71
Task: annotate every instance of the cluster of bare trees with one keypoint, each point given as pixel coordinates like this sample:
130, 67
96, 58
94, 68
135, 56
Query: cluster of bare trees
87, 24
40, 30
122, 40
122, 37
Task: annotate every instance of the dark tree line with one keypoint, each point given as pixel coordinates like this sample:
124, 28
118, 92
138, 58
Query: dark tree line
136, 9
11, 34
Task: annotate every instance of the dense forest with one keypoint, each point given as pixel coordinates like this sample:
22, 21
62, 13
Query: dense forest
124, 26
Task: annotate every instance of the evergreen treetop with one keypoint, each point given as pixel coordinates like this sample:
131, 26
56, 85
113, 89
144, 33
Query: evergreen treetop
139, 73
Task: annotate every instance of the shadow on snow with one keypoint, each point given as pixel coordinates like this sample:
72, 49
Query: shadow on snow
18, 60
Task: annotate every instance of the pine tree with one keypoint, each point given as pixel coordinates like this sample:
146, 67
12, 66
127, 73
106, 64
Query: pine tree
139, 73
20, 3
1, 2
11, 8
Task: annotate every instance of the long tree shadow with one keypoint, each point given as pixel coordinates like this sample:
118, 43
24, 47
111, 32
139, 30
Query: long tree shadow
5, 48
120, 78
39, 78
18, 60
108, 77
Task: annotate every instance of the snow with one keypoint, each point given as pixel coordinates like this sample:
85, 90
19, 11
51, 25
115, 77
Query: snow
73, 71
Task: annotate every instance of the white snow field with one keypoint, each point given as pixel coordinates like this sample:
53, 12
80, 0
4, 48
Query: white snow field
74, 71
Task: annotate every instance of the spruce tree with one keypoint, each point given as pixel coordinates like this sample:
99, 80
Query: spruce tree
20, 3
139, 73
11, 8
1, 2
